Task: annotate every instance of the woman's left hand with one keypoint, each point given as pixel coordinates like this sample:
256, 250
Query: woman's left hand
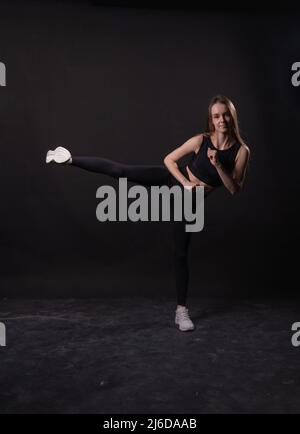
213, 157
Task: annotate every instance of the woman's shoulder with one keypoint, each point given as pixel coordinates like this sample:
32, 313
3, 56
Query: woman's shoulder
243, 151
200, 137
244, 148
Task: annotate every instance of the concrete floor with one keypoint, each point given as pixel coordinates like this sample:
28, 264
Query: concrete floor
127, 356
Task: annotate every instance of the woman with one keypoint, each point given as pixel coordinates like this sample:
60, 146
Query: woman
219, 158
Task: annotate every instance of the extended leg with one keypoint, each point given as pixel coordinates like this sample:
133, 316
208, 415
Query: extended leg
146, 175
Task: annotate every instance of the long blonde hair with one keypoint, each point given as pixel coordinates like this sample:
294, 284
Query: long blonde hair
234, 128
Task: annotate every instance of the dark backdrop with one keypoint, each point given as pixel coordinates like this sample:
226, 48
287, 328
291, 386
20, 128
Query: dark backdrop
131, 84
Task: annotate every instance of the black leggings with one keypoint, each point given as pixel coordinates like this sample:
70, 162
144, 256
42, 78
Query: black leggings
148, 175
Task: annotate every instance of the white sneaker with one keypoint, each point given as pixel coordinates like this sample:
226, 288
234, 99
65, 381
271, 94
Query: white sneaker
183, 320
59, 155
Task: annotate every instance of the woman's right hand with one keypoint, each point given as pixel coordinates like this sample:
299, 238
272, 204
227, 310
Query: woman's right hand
189, 185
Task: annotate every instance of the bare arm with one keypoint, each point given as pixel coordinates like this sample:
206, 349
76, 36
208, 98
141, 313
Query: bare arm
241, 164
233, 181
191, 145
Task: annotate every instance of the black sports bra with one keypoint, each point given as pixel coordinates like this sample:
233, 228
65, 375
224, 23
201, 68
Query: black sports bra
202, 168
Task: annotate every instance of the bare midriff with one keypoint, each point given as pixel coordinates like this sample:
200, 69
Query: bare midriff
193, 178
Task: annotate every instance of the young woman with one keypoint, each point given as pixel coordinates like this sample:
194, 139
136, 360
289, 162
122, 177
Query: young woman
219, 158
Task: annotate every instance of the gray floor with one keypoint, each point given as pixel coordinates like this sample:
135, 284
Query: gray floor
127, 356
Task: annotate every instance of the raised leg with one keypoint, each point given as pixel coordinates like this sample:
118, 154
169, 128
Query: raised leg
146, 175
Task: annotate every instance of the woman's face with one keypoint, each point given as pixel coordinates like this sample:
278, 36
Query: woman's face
221, 118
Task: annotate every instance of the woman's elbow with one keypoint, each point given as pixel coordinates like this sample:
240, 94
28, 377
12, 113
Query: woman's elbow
166, 160
236, 190
169, 162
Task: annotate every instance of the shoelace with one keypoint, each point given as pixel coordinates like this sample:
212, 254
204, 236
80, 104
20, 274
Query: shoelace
183, 315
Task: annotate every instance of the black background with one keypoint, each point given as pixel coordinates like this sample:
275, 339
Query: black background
131, 84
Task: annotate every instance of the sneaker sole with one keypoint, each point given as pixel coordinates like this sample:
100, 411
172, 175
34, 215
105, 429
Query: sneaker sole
183, 329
